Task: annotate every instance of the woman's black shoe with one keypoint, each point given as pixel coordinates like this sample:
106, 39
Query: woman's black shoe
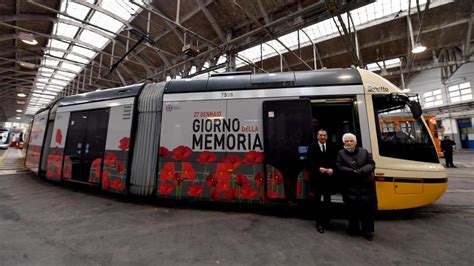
320, 228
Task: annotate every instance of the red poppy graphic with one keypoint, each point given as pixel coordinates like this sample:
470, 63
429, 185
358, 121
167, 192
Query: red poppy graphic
110, 159
97, 165
165, 189
116, 184
272, 194
167, 172
232, 162
177, 179
247, 193
231, 194
242, 180
195, 190
254, 157
59, 136
97, 172
206, 157
259, 178
181, 153
119, 167
50, 173
67, 171
188, 172
164, 152
215, 195
222, 173
105, 180
223, 185
311, 194
124, 143
97, 162
276, 177
57, 165
211, 180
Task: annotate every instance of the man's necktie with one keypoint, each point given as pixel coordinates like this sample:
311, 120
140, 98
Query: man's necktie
324, 148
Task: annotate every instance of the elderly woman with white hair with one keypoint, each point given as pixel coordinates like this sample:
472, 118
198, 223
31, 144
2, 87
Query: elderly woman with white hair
356, 167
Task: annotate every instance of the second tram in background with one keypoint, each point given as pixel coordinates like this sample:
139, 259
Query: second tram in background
405, 124
234, 137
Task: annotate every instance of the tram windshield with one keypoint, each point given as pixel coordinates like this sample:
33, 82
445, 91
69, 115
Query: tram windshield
401, 135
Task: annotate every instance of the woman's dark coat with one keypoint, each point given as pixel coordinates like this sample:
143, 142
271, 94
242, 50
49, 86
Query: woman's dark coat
356, 170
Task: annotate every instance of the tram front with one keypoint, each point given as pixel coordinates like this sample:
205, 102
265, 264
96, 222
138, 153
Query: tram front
408, 172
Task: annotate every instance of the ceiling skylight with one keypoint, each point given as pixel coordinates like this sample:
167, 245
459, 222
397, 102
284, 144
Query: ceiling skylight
391, 63
64, 60
385, 9
93, 38
76, 10
76, 58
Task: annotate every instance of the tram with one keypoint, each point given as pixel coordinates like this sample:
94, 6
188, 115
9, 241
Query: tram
4, 138
398, 122
233, 137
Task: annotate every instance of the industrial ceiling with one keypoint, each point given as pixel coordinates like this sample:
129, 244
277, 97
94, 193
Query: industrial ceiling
85, 45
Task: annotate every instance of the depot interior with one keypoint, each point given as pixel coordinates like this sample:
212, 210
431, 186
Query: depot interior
56, 48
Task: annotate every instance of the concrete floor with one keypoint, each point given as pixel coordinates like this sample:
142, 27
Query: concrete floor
47, 224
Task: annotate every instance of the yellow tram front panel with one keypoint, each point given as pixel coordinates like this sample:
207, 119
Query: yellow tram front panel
396, 190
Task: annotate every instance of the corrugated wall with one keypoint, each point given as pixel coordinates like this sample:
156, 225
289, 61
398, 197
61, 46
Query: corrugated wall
147, 140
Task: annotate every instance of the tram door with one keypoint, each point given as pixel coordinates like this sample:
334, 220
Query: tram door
86, 141
287, 135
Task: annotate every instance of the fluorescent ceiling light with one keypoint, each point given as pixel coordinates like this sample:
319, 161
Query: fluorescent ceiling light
27, 38
27, 65
21, 95
419, 48
19, 111
18, 118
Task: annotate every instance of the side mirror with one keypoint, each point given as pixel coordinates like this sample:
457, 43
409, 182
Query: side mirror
415, 108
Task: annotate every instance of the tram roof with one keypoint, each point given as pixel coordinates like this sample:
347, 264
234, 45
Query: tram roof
121, 92
246, 80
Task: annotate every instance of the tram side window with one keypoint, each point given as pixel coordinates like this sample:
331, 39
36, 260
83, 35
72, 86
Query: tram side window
399, 134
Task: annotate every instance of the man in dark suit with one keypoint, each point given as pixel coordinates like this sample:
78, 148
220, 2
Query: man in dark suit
447, 149
322, 162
